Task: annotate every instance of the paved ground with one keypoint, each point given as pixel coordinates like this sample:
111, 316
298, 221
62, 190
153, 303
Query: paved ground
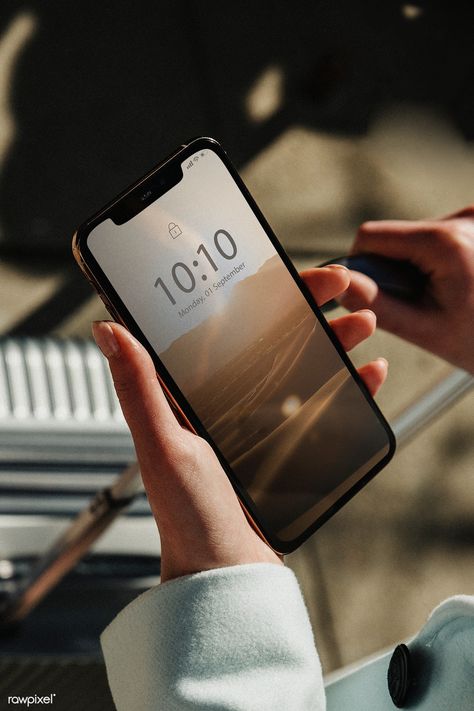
373, 573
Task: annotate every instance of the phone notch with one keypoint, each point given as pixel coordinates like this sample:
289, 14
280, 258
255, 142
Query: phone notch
147, 191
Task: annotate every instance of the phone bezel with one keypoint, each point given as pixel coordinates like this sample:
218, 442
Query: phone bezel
181, 406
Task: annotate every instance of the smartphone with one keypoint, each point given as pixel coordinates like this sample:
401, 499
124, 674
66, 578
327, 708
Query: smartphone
186, 261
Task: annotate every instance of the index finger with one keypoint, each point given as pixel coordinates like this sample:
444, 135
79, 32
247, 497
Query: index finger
141, 397
402, 239
325, 283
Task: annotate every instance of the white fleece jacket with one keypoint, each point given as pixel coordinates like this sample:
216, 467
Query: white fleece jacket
239, 639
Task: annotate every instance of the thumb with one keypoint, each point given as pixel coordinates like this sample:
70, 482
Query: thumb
144, 405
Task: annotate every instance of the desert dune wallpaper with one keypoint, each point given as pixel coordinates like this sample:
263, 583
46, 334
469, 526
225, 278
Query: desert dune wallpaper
277, 399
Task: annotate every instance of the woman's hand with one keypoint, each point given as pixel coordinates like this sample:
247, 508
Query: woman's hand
444, 250
201, 523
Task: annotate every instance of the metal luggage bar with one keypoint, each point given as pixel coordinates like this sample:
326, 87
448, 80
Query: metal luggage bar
52, 383
62, 433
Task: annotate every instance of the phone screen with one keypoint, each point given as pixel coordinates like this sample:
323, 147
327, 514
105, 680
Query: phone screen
207, 287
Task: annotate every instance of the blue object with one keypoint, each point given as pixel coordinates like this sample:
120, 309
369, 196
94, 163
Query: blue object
395, 277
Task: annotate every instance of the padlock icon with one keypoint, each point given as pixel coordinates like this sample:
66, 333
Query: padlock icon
174, 230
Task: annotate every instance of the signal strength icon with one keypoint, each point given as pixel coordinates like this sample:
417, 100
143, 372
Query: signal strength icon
189, 165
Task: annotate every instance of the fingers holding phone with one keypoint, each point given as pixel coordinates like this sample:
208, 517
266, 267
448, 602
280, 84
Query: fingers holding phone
201, 522
328, 283
443, 249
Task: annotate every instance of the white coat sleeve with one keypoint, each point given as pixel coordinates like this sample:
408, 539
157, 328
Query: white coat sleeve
236, 639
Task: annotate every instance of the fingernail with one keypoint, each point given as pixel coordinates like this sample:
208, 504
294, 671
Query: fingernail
105, 338
383, 360
337, 266
367, 311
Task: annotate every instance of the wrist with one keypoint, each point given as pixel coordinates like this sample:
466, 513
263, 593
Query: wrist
178, 561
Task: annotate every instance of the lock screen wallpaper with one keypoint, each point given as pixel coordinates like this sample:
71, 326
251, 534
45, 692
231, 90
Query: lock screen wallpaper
206, 286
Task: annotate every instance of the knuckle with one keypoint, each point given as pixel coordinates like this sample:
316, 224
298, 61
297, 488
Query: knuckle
467, 211
182, 447
458, 249
123, 387
131, 381
365, 230
130, 385
179, 449
455, 243
443, 232
160, 446
461, 250
459, 242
